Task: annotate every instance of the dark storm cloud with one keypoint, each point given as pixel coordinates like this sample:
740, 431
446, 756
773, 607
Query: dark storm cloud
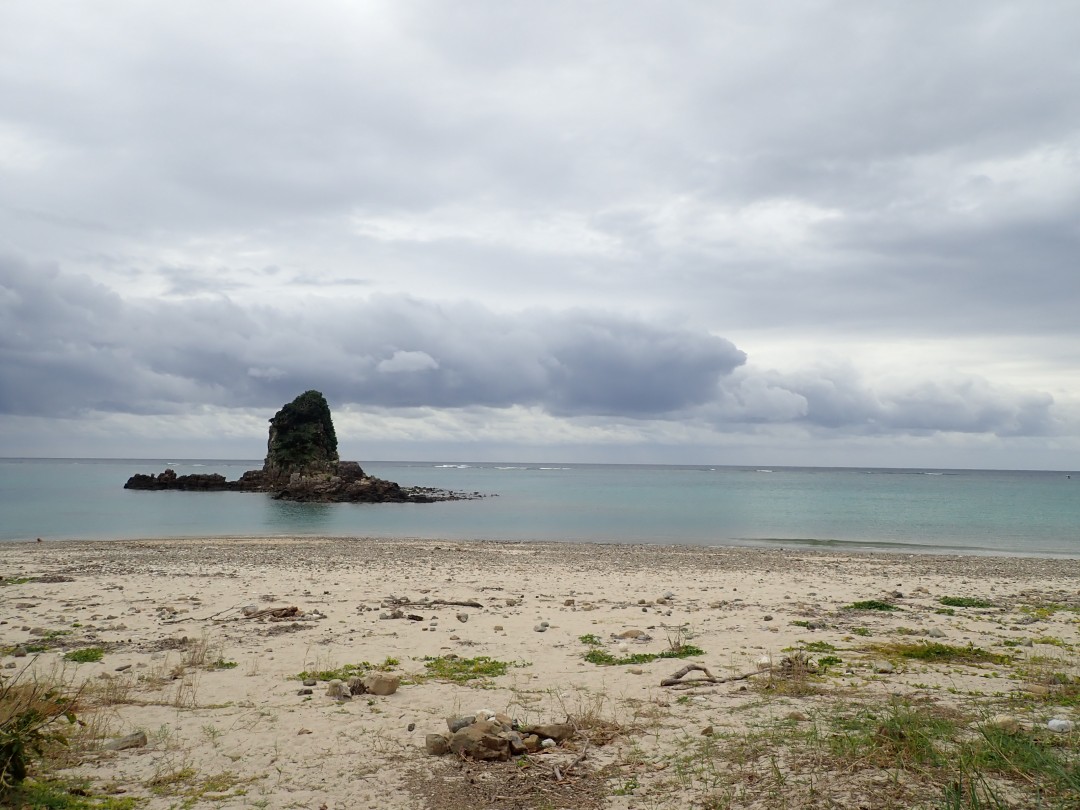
72, 345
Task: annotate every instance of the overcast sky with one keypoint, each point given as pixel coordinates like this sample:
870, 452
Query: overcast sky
703, 232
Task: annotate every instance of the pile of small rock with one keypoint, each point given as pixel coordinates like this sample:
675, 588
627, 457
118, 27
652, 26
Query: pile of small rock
488, 735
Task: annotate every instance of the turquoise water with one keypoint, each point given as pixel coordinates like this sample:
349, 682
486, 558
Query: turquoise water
956, 511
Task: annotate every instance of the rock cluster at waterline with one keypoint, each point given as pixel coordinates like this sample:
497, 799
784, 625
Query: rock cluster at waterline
302, 464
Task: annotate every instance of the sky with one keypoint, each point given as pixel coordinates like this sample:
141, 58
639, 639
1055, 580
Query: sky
811, 233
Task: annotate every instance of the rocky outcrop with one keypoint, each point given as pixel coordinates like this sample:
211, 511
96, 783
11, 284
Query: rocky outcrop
301, 465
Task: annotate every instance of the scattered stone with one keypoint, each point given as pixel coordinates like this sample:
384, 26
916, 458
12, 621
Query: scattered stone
540, 628
884, 668
767, 617
249, 610
20, 652
797, 717
935, 632
437, 744
707, 731
498, 628
635, 670
304, 691
548, 743
634, 632
1037, 689
310, 682
481, 741
381, 683
568, 603
136, 740
463, 617
552, 731
1060, 725
457, 723
338, 690
411, 727
356, 685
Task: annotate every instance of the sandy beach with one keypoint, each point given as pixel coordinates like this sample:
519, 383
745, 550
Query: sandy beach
206, 645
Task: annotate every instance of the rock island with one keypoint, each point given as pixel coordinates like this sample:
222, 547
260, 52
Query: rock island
302, 464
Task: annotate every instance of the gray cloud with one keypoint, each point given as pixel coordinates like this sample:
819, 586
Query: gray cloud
73, 345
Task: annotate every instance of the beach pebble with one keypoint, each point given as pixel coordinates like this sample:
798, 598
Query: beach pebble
338, 690
381, 683
436, 744
463, 617
1060, 725
458, 723
935, 632
540, 628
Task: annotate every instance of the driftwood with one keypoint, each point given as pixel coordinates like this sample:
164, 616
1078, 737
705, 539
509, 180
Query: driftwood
559, 777
273, 613
396, 602
676, 680
212, 617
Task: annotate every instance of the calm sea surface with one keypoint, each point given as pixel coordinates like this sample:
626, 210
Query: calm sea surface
954, 511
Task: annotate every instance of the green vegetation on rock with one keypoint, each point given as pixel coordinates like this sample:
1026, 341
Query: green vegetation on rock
302, 435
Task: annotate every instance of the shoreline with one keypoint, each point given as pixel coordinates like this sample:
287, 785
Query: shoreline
1063, 565
218, 694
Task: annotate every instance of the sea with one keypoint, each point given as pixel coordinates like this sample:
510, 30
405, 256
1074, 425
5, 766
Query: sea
1033, 513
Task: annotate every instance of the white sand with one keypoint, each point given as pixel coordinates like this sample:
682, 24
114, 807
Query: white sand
260, 744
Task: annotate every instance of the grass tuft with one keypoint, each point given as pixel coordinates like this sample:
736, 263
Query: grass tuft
965, 601
86, 655
603, 658
463, 670
871, 604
